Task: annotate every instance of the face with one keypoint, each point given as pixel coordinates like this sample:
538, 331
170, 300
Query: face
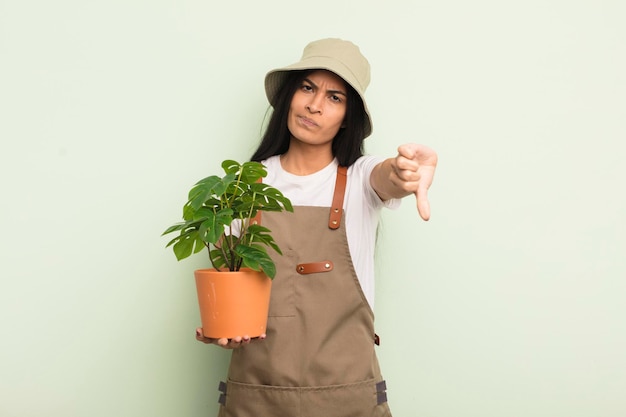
318, 108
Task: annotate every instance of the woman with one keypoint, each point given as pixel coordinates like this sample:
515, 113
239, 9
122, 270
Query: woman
318, 358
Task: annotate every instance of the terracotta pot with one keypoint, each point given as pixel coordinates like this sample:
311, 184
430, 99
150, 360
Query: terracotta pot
233, 303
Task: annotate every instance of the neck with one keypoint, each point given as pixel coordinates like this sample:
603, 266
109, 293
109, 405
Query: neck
306, 160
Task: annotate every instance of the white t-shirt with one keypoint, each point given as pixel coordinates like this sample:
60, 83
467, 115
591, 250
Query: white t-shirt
361, 206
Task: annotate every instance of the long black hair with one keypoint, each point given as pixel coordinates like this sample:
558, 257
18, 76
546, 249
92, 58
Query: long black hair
347, 145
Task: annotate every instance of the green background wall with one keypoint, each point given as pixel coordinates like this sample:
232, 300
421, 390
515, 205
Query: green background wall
509, 302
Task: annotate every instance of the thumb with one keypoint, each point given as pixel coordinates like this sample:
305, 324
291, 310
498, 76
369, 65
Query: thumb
423, 206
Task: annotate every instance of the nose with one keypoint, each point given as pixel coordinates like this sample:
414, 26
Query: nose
315, 104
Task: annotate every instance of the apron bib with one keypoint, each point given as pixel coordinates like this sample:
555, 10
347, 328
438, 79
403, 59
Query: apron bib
318, 359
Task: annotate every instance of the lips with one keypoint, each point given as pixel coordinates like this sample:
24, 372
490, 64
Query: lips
307, 122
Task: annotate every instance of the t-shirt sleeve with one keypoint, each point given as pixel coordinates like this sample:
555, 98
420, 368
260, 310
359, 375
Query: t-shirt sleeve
364, 167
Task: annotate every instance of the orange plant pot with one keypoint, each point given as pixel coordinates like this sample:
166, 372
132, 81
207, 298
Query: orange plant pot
233, 303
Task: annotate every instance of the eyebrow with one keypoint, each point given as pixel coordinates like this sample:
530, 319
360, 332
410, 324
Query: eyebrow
327, 91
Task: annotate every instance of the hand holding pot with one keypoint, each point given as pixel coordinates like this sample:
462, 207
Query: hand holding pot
227, 343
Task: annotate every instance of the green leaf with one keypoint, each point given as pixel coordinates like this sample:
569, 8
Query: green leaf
177, 226
255, 257
271, 197
188, 244
230, 166
212, 226
202, 191
185, 228
260, 234
207, 192
220, 188
252, 171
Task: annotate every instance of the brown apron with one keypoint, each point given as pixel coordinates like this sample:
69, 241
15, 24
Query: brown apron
318, 359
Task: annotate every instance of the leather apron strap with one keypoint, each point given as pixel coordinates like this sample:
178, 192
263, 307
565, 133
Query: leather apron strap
336, 209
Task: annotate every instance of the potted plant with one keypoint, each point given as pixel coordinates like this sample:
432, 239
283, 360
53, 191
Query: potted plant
219, 217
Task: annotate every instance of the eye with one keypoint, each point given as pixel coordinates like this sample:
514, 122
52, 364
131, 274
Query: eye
306, 87
336, 98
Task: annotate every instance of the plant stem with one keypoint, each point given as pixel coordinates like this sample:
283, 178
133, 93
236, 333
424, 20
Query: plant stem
224, 254
237, 184
208, 247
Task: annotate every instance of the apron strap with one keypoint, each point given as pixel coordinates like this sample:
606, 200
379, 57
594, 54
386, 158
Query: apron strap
337, 207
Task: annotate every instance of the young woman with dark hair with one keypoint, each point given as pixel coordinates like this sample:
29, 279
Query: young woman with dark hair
317, 357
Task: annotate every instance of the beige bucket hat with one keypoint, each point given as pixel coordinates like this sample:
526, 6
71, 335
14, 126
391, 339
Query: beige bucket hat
336, 55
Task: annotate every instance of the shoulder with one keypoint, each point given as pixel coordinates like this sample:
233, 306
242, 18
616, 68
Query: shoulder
365, 165
271, 163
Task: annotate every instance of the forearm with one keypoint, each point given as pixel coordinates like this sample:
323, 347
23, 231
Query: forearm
384, 181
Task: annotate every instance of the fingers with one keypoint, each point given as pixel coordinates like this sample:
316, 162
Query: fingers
421, 153
200, 336
225, 343
407, 150
407, 170
239, 341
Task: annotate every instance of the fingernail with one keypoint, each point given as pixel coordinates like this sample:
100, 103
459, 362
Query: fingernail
198, 333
